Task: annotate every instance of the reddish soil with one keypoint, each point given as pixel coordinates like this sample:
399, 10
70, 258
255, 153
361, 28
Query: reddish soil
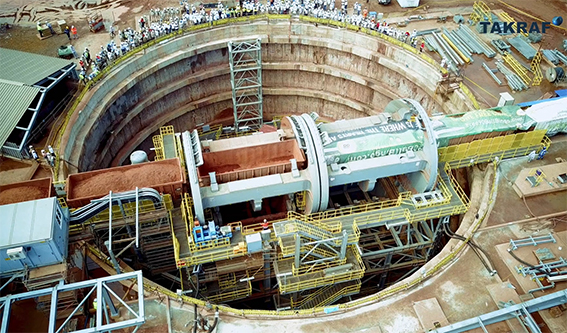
24, 193
120, 181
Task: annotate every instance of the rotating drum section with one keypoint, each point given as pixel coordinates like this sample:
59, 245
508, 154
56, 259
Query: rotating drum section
429, 144
313, 151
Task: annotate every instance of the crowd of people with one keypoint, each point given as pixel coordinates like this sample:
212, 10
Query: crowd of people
163, 21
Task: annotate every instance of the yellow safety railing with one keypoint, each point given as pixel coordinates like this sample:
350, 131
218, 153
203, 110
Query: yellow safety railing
227, 280
158, 147
536, 69
456, 187
348, 290
175, 240
517, 67
327, 225
354, 235
179, 152
482, 8
240, 290
312, 296
202, 257
486, 150
351, 210
167, 130
375, 218
538, 176
319, 232
469, 94
62, 202
300, 200
356, 272
475, 17
215, 129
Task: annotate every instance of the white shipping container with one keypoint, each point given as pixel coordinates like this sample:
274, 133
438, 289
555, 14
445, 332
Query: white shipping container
34, 234
408, 3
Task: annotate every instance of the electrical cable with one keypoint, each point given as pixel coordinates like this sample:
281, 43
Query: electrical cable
527, 264
211, 329
195, 324
474, 247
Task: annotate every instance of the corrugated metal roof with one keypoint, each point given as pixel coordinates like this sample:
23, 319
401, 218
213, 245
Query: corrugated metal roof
14, 101
26, 222
28, 68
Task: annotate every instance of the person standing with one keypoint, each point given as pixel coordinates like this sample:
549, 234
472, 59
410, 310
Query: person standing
44, 154
33, 153
51, 159
67, 32
74, 32
422, 46
39, 29
51, 151
50, 27
87, 56
75, 55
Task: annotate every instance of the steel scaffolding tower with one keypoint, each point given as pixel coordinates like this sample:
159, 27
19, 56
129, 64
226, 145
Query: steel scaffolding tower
246, 81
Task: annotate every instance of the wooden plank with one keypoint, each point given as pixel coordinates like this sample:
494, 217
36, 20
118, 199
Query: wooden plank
551, 171
430, 314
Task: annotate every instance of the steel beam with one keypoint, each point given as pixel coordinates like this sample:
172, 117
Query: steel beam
537, 304
96, 285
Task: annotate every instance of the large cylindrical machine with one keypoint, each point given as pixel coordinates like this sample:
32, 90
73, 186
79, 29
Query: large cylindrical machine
138, 156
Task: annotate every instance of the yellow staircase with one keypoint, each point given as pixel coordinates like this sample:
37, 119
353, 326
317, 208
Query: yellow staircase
327, 295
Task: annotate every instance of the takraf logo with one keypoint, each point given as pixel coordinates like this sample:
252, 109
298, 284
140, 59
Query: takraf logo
518, 27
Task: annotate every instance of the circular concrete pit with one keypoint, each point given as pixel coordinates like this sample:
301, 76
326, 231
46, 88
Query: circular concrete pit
185, 81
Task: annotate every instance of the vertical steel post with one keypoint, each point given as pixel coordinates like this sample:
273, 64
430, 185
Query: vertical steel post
344, 243
137, 220
297, 250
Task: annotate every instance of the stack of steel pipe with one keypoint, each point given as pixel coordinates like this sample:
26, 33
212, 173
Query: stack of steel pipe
550, 55
426, 32
560, 56
448, 50
491, 73
452, 65
477, 41
461, 41
514, 81
457, 45
468, 40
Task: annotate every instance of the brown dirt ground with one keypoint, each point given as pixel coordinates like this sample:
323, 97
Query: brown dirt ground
24, 193
120, 181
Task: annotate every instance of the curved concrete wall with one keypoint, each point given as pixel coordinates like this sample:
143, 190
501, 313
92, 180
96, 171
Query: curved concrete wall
185, 81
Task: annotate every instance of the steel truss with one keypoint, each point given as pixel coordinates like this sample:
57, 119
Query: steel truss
245, 60
326, 252
386, 249
103, 292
